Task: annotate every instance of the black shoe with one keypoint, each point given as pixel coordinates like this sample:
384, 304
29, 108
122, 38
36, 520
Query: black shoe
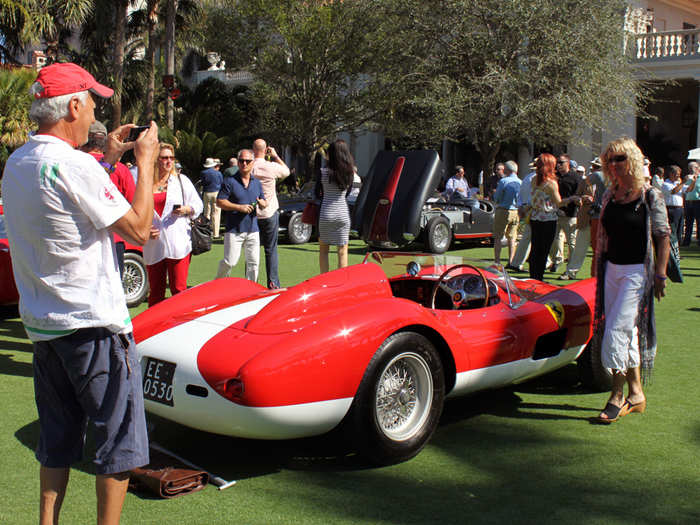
553, 267
512, 268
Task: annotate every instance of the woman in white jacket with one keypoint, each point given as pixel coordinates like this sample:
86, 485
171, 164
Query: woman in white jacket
168, 252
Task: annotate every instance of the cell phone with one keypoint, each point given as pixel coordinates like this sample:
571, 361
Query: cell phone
135, 132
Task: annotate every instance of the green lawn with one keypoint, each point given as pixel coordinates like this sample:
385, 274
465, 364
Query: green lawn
526, 454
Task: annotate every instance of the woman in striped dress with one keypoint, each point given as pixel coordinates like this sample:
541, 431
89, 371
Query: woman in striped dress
334, 217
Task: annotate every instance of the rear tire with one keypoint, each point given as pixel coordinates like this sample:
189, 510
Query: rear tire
135, 279
399, 401
298, 232
438, 234
590, 368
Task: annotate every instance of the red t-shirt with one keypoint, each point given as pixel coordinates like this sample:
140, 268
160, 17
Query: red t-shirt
122, 179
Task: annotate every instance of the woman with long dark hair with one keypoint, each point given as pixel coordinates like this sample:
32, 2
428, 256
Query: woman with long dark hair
334, 217
545, 202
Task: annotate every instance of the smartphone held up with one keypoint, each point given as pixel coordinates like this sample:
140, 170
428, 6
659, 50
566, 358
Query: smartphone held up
135, 132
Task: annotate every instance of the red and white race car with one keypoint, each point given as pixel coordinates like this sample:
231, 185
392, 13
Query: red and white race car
376, 346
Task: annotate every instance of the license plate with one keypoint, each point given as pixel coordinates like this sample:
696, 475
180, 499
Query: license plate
158, 381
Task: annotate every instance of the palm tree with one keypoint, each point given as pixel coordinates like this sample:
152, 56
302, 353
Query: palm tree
25, 22
14, 110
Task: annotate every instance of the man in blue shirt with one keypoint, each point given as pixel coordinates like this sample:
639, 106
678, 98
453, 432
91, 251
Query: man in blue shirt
211, 179
692, 201
239, 196
506, 219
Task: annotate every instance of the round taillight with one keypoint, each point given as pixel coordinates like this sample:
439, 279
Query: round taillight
233, 388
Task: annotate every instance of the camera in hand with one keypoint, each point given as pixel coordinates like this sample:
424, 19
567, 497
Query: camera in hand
135, 132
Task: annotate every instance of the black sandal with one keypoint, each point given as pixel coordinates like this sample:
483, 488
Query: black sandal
612, 413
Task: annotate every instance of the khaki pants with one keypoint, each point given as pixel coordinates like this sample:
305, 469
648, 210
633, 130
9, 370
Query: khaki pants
212, 211
566, 229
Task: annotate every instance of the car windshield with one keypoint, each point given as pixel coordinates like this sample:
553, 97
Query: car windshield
432, 266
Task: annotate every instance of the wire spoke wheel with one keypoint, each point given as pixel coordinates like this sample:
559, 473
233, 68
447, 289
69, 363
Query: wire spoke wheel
404, 395
298, 232
135, 279
441, 236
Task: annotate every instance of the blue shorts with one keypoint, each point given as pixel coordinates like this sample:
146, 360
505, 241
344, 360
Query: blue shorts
90, 375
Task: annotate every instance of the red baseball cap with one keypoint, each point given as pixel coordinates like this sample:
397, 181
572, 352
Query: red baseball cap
64, 78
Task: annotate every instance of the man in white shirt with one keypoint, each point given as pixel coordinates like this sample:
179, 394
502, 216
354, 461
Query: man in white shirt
673, 189
457, 187
60, 211
268, 172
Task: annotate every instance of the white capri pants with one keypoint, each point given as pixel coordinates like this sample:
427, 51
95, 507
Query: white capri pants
624, 289
233, 242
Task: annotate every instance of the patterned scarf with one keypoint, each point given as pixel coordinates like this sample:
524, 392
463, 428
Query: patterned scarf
657, 226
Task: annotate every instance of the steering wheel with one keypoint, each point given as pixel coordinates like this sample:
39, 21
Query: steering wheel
457, 296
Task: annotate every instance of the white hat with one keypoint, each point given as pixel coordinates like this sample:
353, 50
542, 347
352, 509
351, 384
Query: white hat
209, 163
580, 168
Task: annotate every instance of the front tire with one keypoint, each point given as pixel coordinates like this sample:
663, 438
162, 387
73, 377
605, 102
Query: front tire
400, 399
135, 279
298, 232
438, 234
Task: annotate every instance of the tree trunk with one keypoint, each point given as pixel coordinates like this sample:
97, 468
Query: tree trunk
152, 22
121, 7
488, 159
170, 55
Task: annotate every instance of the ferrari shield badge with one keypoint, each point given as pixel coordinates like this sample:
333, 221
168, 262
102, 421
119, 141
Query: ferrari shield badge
557, 310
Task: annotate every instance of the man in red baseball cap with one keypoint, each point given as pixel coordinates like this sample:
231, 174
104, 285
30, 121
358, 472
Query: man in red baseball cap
61, 209
64, 78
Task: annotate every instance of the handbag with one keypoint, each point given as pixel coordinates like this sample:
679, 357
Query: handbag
310, 213
200, 229
673, 269
168, 482
200, 233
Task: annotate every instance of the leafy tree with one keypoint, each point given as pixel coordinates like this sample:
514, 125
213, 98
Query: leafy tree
216, 107
14, 110
310, 60
496, 71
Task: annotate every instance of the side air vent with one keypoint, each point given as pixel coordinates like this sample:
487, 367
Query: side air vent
196, 390
549, 345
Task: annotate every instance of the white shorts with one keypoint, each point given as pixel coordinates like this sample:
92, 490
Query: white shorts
624, 289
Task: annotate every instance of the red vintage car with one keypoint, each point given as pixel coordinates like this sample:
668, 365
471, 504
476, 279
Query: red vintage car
375, 347
134, 280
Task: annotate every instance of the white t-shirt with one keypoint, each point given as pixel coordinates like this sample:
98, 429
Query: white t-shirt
58, 204
672, 199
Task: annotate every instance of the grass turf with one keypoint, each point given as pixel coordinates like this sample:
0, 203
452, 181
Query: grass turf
525, 454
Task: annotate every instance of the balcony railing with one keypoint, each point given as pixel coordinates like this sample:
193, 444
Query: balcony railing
667, 45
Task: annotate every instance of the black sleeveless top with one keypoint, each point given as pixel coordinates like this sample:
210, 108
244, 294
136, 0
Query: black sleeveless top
626, 225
